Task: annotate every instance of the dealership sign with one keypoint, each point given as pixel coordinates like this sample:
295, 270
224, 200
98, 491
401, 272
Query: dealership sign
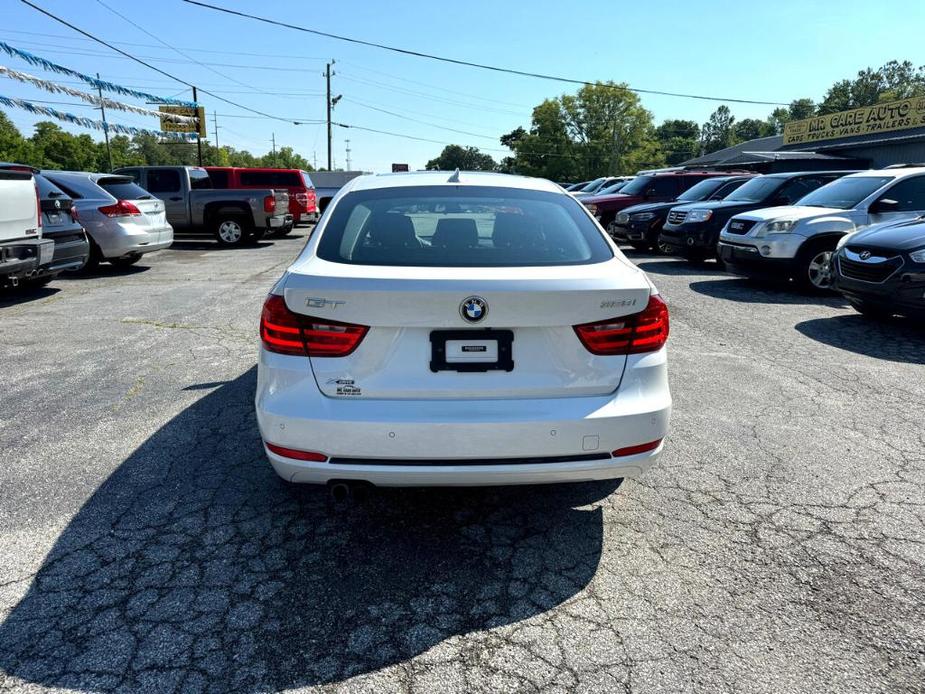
882, 118
197, 126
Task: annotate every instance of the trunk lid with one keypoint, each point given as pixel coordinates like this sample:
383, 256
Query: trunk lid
153, 212
19, 211
416, 324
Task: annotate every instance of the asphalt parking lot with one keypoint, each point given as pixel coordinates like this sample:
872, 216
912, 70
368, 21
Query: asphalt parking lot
146, 545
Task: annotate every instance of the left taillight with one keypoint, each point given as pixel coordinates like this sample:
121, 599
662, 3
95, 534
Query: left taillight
38, 205
646, 331
285, 332
269, 203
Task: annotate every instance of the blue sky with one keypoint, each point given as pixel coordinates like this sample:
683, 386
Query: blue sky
773, 51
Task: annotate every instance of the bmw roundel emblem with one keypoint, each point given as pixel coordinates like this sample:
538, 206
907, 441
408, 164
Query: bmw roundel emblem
473, 309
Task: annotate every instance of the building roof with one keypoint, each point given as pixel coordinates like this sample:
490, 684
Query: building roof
761, 144
439, 178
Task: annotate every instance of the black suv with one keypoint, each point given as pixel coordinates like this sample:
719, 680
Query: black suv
59, 223
692, 231
881, 270
640, 225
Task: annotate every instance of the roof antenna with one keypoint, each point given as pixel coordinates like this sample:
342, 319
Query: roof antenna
454, 178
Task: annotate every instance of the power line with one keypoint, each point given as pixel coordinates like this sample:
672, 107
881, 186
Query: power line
47, 36
466, 63
77, 50
406, 117
148, 65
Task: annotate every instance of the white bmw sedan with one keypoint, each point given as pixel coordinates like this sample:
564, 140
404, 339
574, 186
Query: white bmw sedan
461, 329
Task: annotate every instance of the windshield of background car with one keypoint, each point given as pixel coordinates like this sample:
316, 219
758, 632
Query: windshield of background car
757, 189
610, 190
464, 226
702, 190
845, 193
592, 185
637, 186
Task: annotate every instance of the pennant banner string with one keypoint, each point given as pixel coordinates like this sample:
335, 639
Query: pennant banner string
98, 83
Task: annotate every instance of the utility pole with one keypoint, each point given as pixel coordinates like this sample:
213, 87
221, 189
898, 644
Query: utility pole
215, 120
315, 160
198, 129
327, 76
347, 142
274, 149
105, 126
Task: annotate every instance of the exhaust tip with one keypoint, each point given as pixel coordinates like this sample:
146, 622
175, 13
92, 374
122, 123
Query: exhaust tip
339, 491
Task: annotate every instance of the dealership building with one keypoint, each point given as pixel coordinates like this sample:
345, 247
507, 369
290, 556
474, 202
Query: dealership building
871, 137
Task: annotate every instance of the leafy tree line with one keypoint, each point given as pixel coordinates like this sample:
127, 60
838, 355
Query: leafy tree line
604, 130
51, 147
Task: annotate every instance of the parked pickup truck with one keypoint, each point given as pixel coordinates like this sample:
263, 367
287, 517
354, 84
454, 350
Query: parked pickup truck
194, 206
22, 248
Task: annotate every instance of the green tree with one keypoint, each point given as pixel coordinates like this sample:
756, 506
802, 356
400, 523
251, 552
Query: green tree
679, 140
894, 80
718, 133
798, 110
463, 158
750, 129
13, 146
602, 129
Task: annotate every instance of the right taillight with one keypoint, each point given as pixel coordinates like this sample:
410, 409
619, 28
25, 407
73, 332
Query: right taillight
122, 208
285, 332
646, 331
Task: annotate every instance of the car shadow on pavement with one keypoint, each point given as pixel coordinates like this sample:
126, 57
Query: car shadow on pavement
194, 568
207, 245
899, 339
753, 291
679, 267
14, 296
103, 270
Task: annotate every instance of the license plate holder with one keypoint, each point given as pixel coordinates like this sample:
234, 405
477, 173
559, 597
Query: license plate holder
481, 343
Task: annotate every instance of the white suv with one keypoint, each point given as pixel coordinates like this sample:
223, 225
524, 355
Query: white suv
798, 240
461, 329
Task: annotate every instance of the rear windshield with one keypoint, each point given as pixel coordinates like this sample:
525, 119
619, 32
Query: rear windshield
47, 189
124, 189
757, 189
438, 226
271, 179
845, 193
219, 179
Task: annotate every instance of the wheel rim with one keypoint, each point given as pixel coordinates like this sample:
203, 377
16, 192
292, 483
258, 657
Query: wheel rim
820, 270
664, 249
230, 232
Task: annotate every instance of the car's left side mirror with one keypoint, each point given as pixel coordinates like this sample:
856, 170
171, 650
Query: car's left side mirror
883, 205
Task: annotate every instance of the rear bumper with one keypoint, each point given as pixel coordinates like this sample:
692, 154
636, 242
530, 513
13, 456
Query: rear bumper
122, 239
21, 258
71, 253
280, 221
439, 439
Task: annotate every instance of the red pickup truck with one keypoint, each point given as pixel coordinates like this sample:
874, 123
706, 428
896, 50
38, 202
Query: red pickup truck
303, 203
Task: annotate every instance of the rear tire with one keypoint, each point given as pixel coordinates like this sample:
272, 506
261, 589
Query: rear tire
93, 260
814, 267
125, 262
229, 230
